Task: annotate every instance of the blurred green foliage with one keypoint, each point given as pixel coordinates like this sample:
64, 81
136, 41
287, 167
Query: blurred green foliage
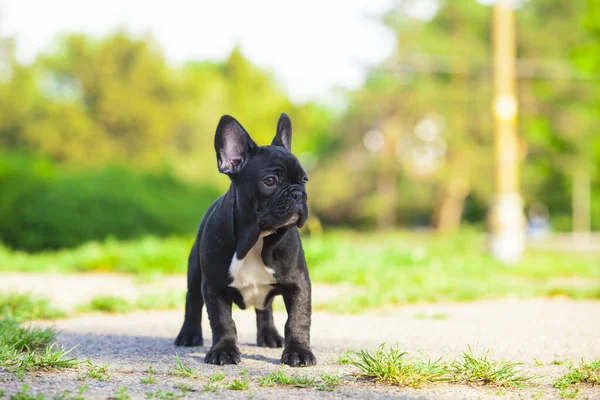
406, 267
106, 117
44, 206
114, 304
97, 101
377, 269
26, 306
440, 73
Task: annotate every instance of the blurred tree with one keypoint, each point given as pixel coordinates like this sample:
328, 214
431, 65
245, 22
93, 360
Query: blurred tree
558, 117
111, 99
116, 99
436, 87
439, 144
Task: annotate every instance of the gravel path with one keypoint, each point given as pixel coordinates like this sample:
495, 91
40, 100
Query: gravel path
520, 330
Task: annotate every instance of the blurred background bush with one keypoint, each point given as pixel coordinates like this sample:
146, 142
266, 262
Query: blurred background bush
103, 137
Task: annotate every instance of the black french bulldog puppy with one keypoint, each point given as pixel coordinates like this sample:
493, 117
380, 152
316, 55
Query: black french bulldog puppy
248, 249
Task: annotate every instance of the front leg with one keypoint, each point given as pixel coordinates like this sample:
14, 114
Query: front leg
297, 299
224, 349
266, 333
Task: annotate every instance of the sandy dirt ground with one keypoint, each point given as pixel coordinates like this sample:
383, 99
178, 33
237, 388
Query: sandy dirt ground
530, 331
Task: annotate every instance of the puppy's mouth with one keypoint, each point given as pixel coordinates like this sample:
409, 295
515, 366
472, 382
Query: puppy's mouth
268, 229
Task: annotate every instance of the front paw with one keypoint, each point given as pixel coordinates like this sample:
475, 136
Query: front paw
269, 338
189, 339
298, 356
223, 354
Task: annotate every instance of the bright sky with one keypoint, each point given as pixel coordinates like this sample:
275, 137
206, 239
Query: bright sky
311, 46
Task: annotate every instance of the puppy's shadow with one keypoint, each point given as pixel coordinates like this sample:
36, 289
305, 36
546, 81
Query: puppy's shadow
260, 357
125, 349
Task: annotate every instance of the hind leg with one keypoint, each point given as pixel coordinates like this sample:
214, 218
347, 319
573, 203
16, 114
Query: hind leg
266, 333
191, 331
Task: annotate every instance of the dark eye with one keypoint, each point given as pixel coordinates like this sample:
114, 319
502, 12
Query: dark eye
304, 179
270, 181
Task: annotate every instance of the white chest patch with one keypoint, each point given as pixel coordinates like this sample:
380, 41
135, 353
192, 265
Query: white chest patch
251, 277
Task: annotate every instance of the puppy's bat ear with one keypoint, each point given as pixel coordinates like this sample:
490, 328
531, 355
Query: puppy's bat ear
283, 137
233, 145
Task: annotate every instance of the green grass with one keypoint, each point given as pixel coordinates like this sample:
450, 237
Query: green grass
117, 305
473, 369
211, 387
328, 382
217, 376
24, 394
161, 394
280, 377
26, 348
149, 380
240, 383
586, 374
440, 268
143, 256
122, 394
19, 337
67, 395
109, 304
430, 268
345, 358
97, 372
26, 306
390, 365
436, 316
182, 369
185, 387
324, 382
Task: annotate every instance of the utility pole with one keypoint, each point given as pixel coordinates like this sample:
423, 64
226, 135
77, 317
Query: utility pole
507, 221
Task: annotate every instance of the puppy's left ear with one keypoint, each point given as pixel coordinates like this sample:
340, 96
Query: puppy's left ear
283, 137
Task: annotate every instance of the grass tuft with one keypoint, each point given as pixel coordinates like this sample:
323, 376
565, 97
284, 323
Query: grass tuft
121, 305
122, 394
585, 374
344, 359
97, 372
181, 369
149, 380
185, 387
239, 384
21, 338
161, 394
390, 365
151, 369
26, 306
481, 370
217, 376
211, 387
24, 394
29, 348
393, 366
108, 304
67, 395
279, 377
329, 382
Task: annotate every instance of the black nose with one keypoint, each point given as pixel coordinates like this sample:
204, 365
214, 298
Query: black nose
297, 194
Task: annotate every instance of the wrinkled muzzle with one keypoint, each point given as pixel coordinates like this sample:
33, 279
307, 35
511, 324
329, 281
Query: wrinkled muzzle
289, 209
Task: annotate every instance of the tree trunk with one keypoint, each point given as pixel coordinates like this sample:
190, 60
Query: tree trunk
448, 215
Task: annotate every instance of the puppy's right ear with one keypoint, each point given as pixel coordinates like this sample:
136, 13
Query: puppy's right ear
232, 144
